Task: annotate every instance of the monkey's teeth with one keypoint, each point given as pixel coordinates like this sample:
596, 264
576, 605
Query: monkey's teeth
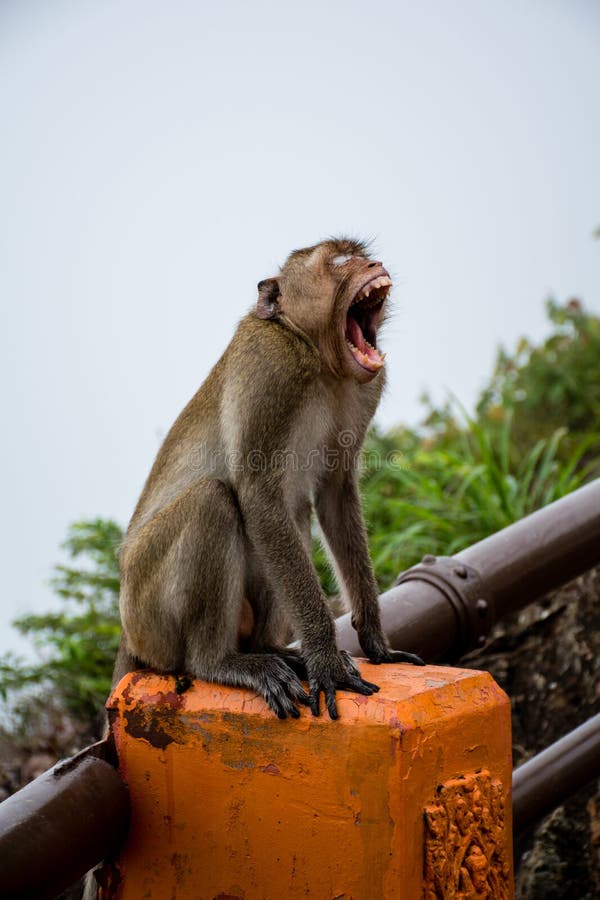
364, 359
382, 282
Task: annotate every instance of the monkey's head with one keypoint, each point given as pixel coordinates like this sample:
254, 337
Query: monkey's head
335, 295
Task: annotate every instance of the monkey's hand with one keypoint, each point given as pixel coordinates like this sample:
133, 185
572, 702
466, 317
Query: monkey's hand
333, 671
377, 650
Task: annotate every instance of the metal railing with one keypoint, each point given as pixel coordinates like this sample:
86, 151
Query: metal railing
445, 606
70, 818
549, 778
60, 825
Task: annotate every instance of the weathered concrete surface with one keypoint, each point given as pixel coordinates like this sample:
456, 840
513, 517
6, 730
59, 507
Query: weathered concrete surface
408, 792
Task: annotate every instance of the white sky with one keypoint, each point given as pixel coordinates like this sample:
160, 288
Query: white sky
157, 159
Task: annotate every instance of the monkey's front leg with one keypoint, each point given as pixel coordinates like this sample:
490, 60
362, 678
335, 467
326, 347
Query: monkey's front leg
289, 571
341, 520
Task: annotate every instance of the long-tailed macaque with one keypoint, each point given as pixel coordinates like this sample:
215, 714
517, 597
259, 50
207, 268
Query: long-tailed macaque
216, 571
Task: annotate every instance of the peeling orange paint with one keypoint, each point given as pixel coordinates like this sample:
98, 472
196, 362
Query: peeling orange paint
227, 801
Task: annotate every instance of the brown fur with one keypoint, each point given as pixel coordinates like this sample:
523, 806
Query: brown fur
215, 566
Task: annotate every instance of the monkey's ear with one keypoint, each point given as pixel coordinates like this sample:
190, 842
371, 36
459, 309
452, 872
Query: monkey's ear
267, 305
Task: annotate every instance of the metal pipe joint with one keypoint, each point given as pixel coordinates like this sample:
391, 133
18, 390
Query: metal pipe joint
463, 588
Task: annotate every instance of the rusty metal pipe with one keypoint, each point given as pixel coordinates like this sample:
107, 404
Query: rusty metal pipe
555, 774
541, 552
443, 607
59, 826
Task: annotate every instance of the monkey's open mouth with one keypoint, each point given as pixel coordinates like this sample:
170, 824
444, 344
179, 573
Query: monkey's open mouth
362, 321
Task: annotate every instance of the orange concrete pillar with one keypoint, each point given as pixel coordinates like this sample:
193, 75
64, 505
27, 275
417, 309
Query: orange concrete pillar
407, 795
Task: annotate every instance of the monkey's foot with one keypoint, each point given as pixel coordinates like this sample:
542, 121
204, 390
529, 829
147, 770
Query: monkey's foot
292, 658
266, 674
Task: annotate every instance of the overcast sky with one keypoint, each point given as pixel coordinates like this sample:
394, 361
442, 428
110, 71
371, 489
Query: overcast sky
160, 158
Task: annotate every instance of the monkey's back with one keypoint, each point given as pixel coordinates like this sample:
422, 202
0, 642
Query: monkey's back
259, 380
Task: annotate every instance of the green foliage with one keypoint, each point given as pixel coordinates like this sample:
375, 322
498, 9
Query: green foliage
440, 499
555, 385
78, 643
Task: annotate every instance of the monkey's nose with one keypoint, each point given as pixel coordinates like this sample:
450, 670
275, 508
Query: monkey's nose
370, 266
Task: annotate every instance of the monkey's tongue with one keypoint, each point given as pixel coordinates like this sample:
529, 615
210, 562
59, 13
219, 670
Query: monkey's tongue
368, 356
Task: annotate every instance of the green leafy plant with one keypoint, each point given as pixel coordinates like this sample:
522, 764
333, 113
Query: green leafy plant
77, 644
441, 498
554, 385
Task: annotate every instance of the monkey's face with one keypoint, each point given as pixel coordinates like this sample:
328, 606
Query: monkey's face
335, 295
344, 299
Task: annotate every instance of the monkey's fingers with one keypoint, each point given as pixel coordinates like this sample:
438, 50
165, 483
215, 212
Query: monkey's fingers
315, 692
303, 699
358, 685
280, 695
352, 675
330, 702
281, 704
349, 665
401, 656
297, 692
313, 699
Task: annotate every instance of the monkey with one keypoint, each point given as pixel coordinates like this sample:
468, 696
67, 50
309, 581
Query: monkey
216, 568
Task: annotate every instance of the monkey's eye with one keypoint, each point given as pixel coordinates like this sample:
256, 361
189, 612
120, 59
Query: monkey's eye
341, 260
